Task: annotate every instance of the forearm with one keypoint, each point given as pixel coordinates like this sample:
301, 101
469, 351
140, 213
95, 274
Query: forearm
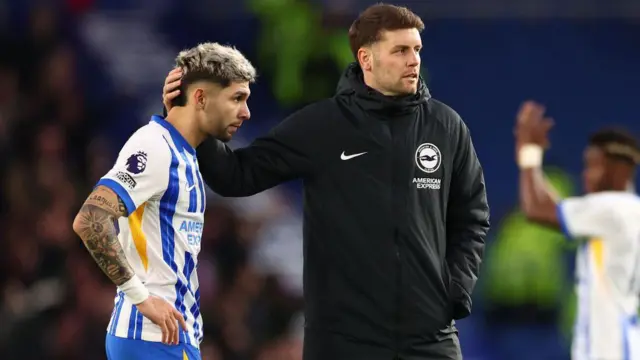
465, 246
537, 199
224, 171
465, 250
96, 228
247, 171
467, 227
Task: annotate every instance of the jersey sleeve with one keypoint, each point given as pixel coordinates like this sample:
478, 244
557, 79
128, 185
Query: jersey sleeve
141, 170
589, 215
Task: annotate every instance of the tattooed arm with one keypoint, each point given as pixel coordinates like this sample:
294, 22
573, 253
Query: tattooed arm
95, 224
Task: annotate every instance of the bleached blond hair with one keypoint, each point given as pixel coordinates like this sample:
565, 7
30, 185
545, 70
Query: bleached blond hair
213, 62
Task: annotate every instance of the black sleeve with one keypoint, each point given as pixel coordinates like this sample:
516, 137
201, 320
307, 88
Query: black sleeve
281, 155
467, 223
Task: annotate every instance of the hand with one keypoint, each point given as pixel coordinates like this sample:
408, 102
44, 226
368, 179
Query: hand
532, 127
171, 88
163, 314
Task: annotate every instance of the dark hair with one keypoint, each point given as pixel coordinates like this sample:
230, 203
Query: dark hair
617, 143
367, 28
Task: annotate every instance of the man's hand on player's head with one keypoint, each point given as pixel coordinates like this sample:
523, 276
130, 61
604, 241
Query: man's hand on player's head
532, 127
163, 314
171, 88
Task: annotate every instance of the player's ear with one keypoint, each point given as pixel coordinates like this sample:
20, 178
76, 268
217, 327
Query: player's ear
199, 98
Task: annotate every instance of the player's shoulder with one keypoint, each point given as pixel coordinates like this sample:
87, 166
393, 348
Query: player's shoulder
150, 134
614, 197
148, 145
622, 207
618, 202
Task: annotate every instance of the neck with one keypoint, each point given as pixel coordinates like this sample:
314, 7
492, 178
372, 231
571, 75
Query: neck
186, 125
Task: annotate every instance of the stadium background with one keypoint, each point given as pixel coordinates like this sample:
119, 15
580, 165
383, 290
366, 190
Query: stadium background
78, 76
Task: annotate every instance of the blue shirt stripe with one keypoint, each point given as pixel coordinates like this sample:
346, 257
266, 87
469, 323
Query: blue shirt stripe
168, 204
562, 221
132, 322
177, 138
138, 335
203, 200
116, 316
120, 191
189, 266
195, 310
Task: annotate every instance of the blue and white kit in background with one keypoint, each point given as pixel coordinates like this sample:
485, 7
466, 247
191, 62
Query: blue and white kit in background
608, 274
157, 177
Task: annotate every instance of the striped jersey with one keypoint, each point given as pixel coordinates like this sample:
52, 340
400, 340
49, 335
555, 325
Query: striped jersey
157, 177
607, 272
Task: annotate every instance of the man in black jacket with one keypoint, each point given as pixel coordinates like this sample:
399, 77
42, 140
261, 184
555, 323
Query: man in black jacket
395, 207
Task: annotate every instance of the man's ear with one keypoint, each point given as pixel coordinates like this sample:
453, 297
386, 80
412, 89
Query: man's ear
199, 98
365, 58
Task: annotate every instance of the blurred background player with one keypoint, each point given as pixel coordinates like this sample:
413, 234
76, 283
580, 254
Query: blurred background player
606, 221
143, 222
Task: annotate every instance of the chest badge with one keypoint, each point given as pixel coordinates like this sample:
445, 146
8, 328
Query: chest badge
428, 158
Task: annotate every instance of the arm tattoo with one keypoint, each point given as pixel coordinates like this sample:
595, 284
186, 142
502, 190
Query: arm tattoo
95, 224
101, 200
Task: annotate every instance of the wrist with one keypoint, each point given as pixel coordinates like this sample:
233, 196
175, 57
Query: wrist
134, 290
530, 156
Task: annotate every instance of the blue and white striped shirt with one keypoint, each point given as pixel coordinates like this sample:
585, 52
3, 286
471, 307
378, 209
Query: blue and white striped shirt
158, 179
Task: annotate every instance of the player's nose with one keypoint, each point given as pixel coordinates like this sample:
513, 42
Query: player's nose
244, 113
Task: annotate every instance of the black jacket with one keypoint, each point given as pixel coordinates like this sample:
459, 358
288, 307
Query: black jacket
395, 211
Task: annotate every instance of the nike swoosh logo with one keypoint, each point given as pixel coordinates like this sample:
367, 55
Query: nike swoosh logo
344, 156
189, 188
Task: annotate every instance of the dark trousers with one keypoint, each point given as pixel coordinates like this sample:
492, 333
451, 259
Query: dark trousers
333, 346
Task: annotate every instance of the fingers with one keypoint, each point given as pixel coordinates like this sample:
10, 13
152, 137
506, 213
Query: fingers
530, 111
172, 329
165, 315
171, 87
172, 95
165, 333
173, 75
180, 318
